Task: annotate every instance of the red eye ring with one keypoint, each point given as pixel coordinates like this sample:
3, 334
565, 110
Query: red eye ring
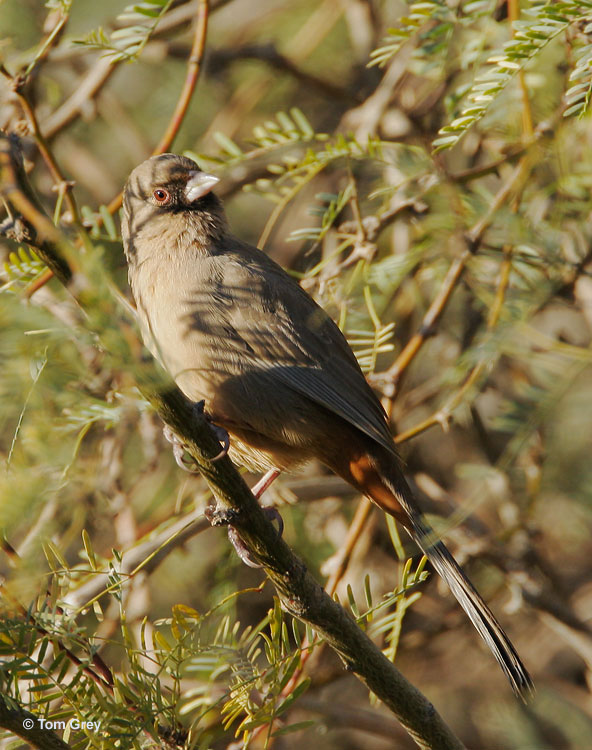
161, 196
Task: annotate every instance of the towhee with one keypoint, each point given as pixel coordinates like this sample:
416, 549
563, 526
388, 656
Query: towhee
233, 328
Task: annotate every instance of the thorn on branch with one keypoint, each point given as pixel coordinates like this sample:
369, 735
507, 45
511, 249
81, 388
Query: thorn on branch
17, 83
63, 185
444, 419
473, 243
221, 516
16, 229
427, 330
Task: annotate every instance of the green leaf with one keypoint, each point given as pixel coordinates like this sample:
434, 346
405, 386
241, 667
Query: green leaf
227, 144
352, 602
294, 695
291, 728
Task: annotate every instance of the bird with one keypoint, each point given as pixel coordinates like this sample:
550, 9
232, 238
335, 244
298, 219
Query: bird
235, 330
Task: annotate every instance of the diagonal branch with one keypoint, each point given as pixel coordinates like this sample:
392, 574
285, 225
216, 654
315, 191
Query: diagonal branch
26, 725
18, 84
97, 76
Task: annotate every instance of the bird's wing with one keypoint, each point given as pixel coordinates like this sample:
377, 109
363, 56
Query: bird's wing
283, 333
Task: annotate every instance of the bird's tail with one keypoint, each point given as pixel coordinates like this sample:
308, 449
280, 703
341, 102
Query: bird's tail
478, 612
382, 480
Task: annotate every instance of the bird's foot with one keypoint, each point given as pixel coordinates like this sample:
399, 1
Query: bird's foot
183, 459
221, 434
274, 516
241, 548
259, 488
225, 517
223, 438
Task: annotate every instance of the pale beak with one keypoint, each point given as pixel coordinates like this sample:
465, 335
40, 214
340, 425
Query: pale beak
198, 184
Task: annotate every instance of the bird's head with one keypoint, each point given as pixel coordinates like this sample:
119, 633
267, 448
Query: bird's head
170, 193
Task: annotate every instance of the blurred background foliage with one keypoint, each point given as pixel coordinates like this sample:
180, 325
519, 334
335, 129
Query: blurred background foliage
424, 169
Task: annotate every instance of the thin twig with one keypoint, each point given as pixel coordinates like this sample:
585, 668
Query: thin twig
527, 122
340, 716
102, 676
63, 185
191, 77
297, 48
49, 242
356, 527
492, 167
104, 67
389, 380
444, 414
473, 239
51, 41
97, 76
269, 54
514, 185
426, 328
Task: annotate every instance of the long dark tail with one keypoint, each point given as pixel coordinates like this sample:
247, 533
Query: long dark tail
379, 476
478, 612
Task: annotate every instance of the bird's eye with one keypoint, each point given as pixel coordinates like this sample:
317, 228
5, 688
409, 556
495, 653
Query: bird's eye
161, 196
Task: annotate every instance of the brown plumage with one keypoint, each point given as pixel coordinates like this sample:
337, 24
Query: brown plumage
275, 371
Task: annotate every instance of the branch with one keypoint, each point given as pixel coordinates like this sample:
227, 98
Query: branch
339, 716
94, 80
191, 76
34, 224
103, 67
26, 725
150, 552
389, 380
444, 414
268, 53
426, 329
301, 595
144, 557
64, 187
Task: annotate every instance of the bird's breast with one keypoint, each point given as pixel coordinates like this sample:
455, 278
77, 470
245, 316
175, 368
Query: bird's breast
177, 325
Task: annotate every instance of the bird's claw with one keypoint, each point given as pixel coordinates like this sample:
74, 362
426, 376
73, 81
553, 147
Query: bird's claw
241, 548
221, 434
182, 457
273, 514
225, 517
223, 438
